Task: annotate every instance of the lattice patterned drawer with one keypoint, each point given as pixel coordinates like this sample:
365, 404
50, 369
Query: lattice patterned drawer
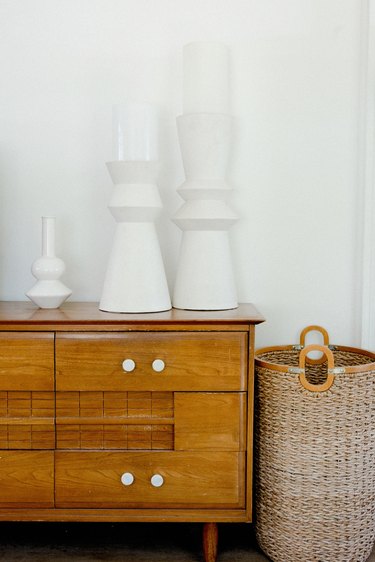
129, 437
27, 420
115, 420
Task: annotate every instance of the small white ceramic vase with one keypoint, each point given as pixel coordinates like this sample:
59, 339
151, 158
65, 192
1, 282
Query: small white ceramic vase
48, 291
135, 279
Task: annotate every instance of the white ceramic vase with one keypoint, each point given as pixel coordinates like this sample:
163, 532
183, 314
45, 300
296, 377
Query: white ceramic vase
135, 279
48, 291
205, 279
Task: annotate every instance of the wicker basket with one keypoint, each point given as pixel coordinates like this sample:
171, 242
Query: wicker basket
315, 452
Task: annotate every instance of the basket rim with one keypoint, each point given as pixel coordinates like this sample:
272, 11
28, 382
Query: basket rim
285, 368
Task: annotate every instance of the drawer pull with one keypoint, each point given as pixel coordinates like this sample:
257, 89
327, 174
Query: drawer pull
157, 480
128, 365
158, 365
127, 478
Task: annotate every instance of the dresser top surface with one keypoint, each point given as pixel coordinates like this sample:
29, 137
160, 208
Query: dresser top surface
73, 313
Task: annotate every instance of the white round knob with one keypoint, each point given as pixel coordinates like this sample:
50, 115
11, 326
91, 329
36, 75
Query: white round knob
157, 480
128, 365
158, 365
127, 478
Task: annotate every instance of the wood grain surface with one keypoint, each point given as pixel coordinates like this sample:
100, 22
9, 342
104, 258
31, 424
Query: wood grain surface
191, 479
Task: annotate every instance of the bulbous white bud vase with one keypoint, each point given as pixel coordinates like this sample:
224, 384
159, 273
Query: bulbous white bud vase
48, 291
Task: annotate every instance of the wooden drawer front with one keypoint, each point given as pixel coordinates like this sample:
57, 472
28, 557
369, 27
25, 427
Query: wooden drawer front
211, 421
26, 361
26, 479
90, 479
114, 420
193, 361
106, 436
27, 402
147, 420
27, 420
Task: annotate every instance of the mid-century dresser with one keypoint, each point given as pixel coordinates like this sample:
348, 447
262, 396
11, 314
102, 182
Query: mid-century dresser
126, 417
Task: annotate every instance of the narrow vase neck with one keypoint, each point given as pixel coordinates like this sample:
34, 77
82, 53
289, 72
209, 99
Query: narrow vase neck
48, 237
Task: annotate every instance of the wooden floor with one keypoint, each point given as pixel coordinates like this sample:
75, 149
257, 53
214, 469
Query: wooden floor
158, 542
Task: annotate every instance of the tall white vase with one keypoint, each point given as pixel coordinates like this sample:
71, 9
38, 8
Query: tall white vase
48, 291
135, 279
205, 279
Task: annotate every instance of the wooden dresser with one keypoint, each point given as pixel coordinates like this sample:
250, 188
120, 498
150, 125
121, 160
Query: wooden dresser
126, 417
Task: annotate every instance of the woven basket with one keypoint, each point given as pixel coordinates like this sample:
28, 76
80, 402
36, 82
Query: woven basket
315, 452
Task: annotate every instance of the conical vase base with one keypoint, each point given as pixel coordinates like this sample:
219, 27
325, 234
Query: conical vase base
135, 279
204, 278
48, 293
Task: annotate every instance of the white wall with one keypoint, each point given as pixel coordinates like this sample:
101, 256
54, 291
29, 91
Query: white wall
367, 172
295, 98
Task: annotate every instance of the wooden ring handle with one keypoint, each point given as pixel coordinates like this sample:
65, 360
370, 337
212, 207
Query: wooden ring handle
302, 340
330, 365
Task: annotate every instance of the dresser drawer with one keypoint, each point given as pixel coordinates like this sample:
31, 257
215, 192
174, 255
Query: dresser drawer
204, 480
195, 421
27, 401
152, 361
26, 361
26, 479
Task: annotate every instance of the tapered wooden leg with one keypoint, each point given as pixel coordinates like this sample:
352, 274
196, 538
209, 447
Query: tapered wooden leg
210, 540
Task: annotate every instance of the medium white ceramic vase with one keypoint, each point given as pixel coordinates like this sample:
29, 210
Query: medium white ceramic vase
135, 279
204, 279
48, 291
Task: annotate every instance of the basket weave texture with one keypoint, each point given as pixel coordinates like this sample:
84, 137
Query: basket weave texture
315, 457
